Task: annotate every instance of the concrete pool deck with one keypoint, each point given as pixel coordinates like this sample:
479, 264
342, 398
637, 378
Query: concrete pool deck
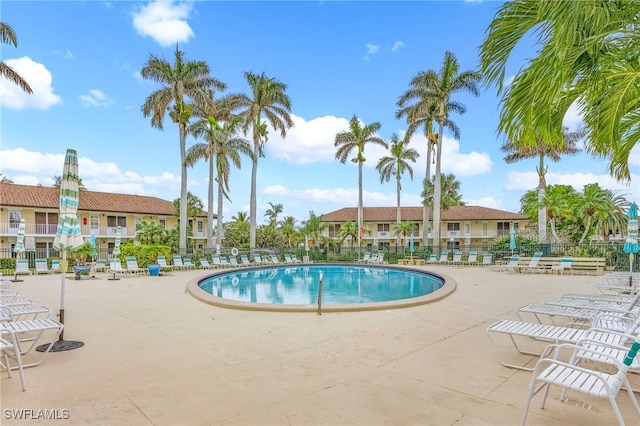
155, 355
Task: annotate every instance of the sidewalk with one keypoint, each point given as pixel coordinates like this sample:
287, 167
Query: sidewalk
155, 355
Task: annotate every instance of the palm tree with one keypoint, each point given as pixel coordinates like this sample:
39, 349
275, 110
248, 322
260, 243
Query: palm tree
422, 114
450, 192
587, 56
594, 203
288, 228
404, 229
194, 206
395, 165
223, 147
240, 217
437, 89
268, 97
273, 212
558, 202
355, 139
541, 150
5, 179
8, 36
150, 233
348, 230
182, 81
615, 220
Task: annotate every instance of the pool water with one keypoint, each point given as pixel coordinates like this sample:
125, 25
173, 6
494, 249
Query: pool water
298, 285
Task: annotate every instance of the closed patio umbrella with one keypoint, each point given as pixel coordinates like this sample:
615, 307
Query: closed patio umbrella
116, 249
19, 247
631, 244
512, 239
68, 235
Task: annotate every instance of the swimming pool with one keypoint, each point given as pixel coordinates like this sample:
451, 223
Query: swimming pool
344, 287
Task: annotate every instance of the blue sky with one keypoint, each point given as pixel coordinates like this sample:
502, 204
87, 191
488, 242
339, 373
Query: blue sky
83, 60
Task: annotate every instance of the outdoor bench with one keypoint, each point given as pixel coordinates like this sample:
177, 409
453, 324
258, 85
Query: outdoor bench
579, 265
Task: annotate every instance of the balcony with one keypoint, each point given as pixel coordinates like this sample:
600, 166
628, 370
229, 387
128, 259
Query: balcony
383, 234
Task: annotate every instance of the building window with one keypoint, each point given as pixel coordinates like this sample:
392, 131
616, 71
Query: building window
453, 226
485, 229
113, 221
200, 227
383, 227
46, 222
14, 219
163, 223
334, 229
503, 228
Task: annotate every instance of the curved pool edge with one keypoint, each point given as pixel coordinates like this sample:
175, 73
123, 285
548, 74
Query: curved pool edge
447, 288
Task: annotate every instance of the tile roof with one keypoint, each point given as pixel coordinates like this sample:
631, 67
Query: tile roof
42, 197
388, 214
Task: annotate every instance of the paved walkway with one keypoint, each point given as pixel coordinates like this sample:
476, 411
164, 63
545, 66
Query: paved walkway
154, 355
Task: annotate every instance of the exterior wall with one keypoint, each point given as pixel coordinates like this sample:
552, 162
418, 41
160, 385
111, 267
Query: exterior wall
43, 234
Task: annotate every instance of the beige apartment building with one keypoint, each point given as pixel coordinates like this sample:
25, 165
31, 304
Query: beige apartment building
462, 227
99, 213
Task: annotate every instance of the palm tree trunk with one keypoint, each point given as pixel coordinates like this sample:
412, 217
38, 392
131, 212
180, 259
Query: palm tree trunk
437, 185
553, 231
587, 226
398, 209
253, 203
360, 206
183, 187
210, 208
425, 208
219, 220
542, 210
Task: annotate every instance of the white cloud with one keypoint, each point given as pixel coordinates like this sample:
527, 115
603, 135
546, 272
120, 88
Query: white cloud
372, 49
33, 168
573, 118
40, 80
95, 98
164, 21
397, 45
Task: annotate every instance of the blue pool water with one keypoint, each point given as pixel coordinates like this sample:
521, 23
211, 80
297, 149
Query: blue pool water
298, 285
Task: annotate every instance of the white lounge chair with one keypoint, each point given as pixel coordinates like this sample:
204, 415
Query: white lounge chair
287, 258
365, 258
244, 259
569, 375
42, 267
473, 258
444, 257
533, 265
564, 265
204, 263
274, 259
433, 258
224, 262
133, 268
295, 259
100, 265
115, 266
187, 264
22, 267
510, 266
457, 258
10, 349
233, 261
259, 260
487, 259
177, 262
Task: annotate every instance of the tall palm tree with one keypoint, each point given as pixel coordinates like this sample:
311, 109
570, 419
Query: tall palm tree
183, 82
450, 192
422, 114
240, 217
268, 102
615, 220
222, 147
8, 36
355, 139
395, 165
437, 88
595, 203
273, 212
587, 55
541, 150
288, 228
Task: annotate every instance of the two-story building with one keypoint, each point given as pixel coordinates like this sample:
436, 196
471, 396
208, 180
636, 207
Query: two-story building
99, 213
461, 227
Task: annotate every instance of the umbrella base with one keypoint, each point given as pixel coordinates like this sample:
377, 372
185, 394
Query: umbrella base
60, 345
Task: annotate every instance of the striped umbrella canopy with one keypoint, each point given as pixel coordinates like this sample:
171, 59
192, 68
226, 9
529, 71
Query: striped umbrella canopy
631, 244
19, 248
512, 239
68, 235
92, 243
116, 247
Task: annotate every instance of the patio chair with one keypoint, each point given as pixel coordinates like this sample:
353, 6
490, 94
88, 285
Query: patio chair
274, 259
473, 258
457, 258
295, 259
100, 265
204, 263
115, 266
233, 261
606, 329
510, 266
554, 371
433, 258
22, 267
533, 265
444, 257
365, 258
9, 348
244, 260
487, 259
133, 268
177, 262
621, 283
224, 262
16, 312
287, 258
564, 265
258, 260
187, 264
42, 267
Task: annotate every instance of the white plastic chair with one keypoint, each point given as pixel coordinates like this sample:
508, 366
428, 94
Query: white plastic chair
10, 349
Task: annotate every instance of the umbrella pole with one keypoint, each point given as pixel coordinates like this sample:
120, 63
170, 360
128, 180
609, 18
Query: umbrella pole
62, 284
